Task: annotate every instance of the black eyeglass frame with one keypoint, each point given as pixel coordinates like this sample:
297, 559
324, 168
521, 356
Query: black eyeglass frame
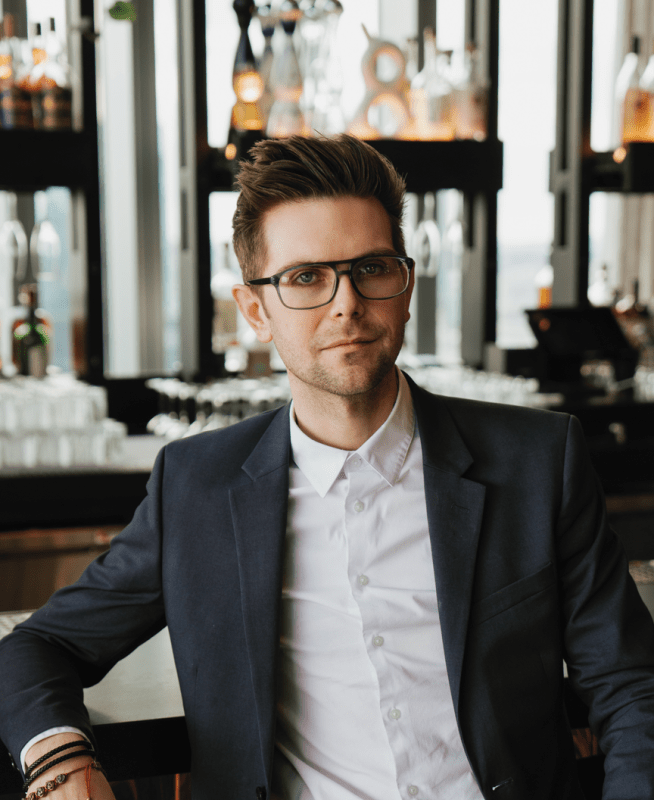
274, 279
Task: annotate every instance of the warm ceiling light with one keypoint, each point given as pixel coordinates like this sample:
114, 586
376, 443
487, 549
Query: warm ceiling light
230, 152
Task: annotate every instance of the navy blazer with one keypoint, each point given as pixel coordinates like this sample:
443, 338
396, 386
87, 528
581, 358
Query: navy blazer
528, 573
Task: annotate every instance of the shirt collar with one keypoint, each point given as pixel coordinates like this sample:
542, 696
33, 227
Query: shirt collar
385, 451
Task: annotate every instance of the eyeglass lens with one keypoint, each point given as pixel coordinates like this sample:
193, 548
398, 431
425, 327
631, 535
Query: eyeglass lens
377, 278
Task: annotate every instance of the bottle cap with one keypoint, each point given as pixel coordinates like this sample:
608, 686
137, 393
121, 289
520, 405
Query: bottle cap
635, 44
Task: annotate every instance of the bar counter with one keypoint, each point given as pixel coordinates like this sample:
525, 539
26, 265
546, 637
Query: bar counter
137, 717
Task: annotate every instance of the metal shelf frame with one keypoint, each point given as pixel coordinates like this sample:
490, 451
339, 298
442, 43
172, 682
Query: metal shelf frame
576, 171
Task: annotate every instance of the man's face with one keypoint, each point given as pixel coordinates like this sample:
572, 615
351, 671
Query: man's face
319, 230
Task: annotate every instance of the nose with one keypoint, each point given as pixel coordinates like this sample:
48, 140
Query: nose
346, 300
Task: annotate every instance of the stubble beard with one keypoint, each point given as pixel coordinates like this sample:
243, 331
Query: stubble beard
361, 379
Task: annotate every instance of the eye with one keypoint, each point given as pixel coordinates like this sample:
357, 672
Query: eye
373, 266
304, 276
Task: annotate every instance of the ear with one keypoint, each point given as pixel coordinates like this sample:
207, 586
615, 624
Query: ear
407, 295
251, 306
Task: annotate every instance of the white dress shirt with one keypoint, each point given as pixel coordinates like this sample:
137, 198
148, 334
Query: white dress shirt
364, 707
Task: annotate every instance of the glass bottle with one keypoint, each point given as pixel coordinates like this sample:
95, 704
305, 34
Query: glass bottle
55, 93
328, 116
599, 291
647, 86
431, 94
631, 99
15, 100
471, 98
31, 335
247, 84
311, 34
448, 313
45, 246
5, 58
268, 21
286, 117
544, 280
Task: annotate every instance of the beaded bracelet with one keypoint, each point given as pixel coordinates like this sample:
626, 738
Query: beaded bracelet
44, 758
56, 782
88, 751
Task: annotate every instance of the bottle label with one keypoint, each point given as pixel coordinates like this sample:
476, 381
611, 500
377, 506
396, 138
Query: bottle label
15, 109
36, 361
56, 108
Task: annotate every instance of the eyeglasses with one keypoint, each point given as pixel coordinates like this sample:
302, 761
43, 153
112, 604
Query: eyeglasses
313, 285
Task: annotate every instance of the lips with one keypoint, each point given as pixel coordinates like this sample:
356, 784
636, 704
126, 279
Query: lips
348, 342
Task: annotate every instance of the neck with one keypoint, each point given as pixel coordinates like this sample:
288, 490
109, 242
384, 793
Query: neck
346, 422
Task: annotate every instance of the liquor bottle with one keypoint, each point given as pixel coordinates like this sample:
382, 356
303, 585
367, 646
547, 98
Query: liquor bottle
600, 292
471, 98
246, 124
268, 21
49, 82
5, 58
15, 101
631, 99
286, 117
647, 86
431, 94
544, 280
31, 335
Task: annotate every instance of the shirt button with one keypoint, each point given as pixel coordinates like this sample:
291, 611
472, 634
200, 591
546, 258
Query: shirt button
363, 580
395, 713
378, 641
413, 790
358, 506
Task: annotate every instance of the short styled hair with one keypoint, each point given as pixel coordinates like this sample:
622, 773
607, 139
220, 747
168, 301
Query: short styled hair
301, 168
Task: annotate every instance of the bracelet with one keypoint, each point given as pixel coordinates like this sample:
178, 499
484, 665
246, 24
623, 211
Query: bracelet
56, 782
77, 743
89, 751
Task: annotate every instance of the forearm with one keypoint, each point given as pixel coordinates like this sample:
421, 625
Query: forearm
75, 786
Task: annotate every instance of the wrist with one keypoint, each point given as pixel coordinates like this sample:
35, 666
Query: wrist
54, 756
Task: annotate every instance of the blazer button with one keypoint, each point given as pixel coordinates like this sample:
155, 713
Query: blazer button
261, 793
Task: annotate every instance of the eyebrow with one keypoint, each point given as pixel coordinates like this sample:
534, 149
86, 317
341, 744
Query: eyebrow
378, 251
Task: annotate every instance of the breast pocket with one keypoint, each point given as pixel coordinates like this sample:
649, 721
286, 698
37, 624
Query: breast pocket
513, 641
511, 595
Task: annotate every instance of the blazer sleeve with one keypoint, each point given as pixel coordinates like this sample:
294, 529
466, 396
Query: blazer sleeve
608, 631
84, 630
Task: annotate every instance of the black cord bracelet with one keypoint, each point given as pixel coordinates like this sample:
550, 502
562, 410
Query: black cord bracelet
43, 759
86, 752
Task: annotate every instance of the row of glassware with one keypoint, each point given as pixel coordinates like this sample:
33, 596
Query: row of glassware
186, 409
97, 445
54, 403
295, 87
56, 421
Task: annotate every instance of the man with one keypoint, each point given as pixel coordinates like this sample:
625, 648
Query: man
369, 594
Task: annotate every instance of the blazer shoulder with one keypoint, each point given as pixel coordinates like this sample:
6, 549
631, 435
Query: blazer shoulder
224, 449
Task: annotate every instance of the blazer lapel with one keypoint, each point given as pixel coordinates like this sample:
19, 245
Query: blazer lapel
259, 510
454, 513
